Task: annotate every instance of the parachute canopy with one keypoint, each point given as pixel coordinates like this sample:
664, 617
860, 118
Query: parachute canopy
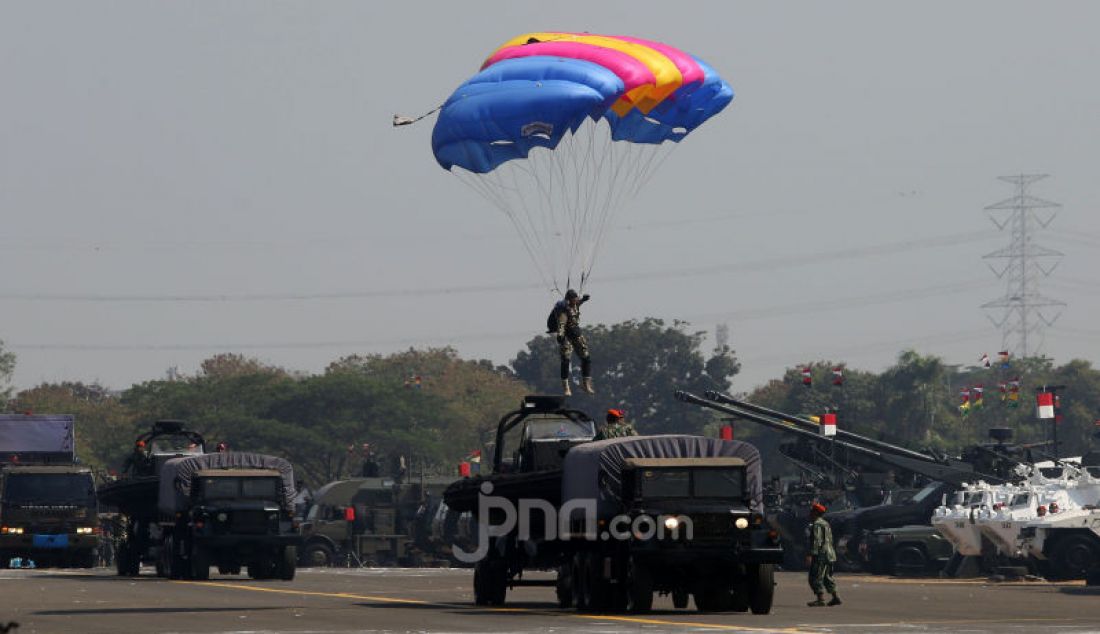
558, 128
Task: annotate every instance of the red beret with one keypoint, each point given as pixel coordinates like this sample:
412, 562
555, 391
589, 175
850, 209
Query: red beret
818, 508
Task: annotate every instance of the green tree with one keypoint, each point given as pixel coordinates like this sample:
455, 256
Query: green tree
638, 366
7, 369
105, 427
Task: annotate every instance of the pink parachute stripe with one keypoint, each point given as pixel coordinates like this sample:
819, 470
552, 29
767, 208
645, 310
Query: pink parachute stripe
633, 72
686, 64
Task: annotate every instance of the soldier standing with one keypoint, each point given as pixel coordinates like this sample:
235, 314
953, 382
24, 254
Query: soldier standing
565, 321
616, 426
821, 558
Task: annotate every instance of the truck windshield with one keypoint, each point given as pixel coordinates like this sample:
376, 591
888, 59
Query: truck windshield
175, 445
699, 483
49, 488
559, 428
254, 488
919, 496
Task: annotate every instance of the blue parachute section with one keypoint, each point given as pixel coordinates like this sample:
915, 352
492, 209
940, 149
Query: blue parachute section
508, 109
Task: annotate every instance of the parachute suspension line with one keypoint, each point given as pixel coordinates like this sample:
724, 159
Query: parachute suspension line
601, 187
400, 120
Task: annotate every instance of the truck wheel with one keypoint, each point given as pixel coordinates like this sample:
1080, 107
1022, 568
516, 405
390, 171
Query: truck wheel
288, 563
679, 599
580, 583
319, 554
200, 563
761, 588
639, 588
174, 563
481, 595
498, 582
714, 596
596, 594
564, 586
1073, 556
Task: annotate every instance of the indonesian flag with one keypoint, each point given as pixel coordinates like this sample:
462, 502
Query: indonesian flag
807, 377
979, 395
1044, 402
838, 376
985, 360
828, 425
475, 456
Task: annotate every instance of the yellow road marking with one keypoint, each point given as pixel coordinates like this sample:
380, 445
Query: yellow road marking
591, 617
713, 626
336, 595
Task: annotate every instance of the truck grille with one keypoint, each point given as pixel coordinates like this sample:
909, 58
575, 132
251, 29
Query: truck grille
249, 522
712, 528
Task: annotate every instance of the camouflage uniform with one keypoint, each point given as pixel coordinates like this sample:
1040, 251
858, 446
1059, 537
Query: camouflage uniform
570, 337
822, 557
616, 430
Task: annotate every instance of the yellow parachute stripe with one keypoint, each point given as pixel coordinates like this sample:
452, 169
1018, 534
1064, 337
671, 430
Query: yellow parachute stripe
645, 98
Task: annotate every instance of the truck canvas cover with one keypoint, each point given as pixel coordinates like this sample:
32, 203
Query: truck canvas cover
36, 438
594, 470
176, 475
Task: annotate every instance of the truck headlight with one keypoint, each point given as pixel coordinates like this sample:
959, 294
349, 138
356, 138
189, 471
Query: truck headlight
672, 523
222, 517
11, 530
741, 523
84, 530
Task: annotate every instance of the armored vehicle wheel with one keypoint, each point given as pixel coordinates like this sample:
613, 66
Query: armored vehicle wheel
287, 563
1073, 556
564, 586
200, 563
497, 582
639, 588
127, 563
319, 554
580, 583
175, 565
481, 594
761, 584
910, 559
679, 599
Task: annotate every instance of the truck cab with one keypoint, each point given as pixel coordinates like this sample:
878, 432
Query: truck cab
49, 515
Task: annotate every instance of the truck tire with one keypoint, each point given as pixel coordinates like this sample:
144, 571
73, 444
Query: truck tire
639, 588
126, 562
288, 563
761, 588
596, 589
199, 563
580, 583
318, 554
490, 582
1073, 556
174, 563
714, 596
564, 586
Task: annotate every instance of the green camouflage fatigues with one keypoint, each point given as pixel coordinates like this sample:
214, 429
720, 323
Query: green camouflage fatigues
822, 557
616, 430
570, 337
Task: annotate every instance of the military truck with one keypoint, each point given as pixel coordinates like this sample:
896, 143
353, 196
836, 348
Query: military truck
371, 521
700, 496
48, 509
138, 531
228, 510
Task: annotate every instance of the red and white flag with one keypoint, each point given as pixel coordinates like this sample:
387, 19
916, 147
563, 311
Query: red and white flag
1044, 402
807, 377
985, 360
828, 425
838, 376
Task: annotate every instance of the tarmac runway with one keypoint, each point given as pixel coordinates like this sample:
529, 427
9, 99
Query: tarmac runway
440, 600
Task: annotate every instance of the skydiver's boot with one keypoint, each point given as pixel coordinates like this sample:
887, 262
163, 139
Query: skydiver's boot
834, 601
587, 387
565, 388
819, 602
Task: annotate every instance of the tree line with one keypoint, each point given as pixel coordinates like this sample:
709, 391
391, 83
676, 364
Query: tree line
434, 407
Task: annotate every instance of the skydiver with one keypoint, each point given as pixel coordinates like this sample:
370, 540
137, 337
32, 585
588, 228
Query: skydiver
565, 322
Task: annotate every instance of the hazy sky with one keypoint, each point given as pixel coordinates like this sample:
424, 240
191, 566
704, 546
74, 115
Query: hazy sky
179, 179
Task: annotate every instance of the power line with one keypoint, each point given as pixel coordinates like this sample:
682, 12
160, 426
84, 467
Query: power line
749, 266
